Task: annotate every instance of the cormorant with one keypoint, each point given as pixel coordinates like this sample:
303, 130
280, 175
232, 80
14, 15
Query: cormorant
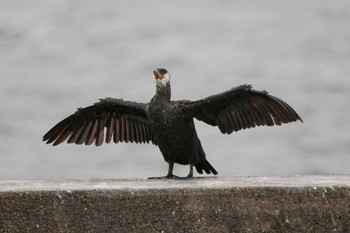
169, 124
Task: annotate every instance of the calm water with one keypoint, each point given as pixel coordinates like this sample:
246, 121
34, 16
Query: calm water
56, 56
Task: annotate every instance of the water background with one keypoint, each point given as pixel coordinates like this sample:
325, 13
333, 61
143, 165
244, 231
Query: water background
56, 56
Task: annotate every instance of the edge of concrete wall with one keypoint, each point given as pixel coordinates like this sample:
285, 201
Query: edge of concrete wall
206, 204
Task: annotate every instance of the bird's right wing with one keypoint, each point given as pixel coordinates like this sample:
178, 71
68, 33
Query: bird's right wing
125, 121
241, 108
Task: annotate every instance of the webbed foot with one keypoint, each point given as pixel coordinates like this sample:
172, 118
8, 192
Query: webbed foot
164, 177
171, 177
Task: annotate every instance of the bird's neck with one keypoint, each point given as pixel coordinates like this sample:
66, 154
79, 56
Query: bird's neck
164, 92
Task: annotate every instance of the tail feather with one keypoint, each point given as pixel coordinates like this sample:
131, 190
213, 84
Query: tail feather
206, 166
202, 163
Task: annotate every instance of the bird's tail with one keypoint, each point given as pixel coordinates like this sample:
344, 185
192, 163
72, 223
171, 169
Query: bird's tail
206, 166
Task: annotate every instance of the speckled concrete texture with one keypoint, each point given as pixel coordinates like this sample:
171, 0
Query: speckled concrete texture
227, 204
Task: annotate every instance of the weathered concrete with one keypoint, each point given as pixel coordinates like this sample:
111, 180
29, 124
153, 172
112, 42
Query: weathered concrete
234, 204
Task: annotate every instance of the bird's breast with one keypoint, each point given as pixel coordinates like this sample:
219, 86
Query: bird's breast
160, 116
163, 114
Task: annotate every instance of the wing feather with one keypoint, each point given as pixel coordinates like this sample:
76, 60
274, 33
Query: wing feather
137, 131
241, 108
100, 132
229, 120
62, 137
110, 127
123, 130
58, 130
92, 134
117, 130
124, 121
84, 133
75, 135
221, 124
248, 117
132, 131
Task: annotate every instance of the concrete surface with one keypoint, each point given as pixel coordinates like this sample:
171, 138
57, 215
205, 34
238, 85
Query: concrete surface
220, 204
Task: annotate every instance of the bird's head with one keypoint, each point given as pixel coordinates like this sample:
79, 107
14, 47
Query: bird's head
161, 77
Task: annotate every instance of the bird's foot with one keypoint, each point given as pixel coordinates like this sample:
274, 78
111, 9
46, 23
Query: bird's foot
163, 177
190, 176
171, 177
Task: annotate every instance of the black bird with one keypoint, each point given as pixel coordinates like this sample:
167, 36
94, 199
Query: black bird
169, 124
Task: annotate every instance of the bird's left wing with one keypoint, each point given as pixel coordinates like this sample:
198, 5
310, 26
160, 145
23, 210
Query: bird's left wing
241, 108
125, 121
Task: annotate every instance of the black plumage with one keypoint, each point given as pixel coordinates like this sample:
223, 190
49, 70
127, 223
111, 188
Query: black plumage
169, 124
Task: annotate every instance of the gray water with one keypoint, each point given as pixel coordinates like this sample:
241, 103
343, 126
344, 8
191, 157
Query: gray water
56, 56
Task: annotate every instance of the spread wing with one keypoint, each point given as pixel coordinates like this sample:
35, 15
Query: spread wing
242, 108
124, 121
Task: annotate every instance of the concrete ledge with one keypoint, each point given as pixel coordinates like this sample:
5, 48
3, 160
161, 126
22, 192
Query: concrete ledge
223, 204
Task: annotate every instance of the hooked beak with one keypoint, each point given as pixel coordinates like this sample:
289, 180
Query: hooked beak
156, 74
